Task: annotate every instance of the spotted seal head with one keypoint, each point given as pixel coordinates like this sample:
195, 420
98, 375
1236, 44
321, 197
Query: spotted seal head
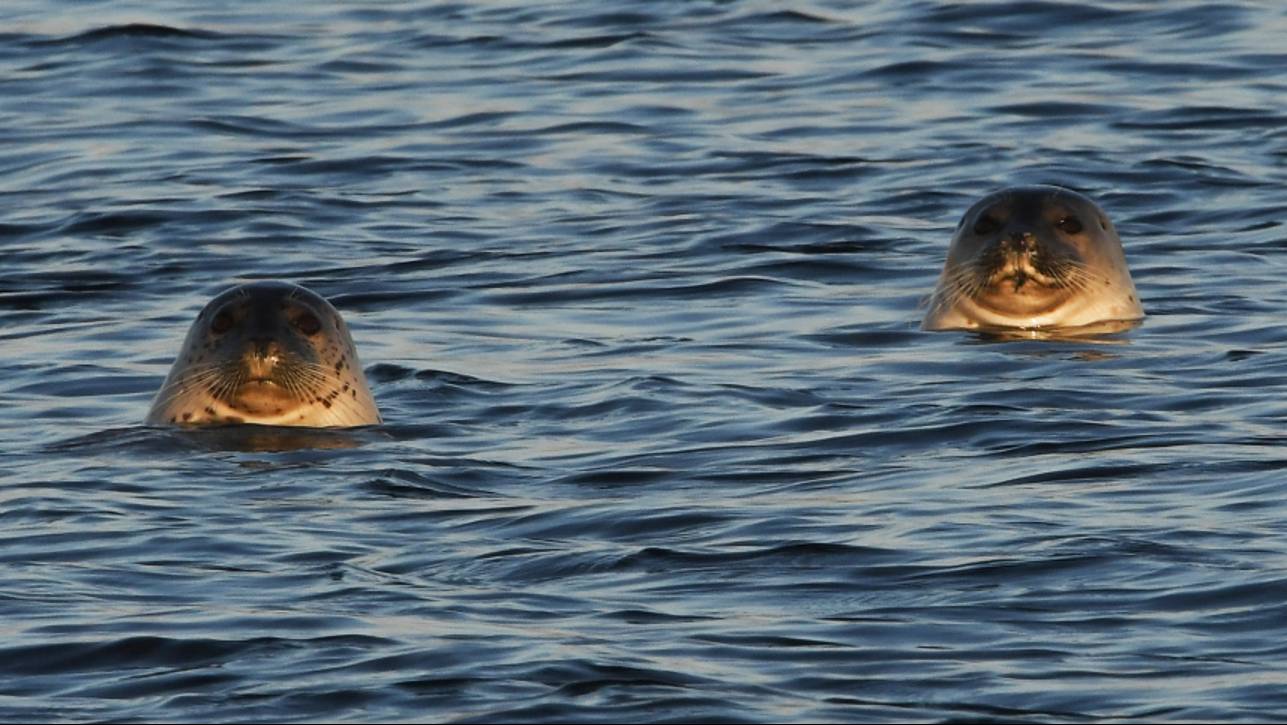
1033, 257
269, 353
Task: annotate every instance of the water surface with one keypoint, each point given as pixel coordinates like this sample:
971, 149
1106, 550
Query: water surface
638, 290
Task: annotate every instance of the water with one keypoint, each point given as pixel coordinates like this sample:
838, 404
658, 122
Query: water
637, 287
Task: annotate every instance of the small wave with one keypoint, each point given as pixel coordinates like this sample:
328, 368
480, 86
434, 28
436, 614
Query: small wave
131, 31
116, 224
132, 653
1203, 117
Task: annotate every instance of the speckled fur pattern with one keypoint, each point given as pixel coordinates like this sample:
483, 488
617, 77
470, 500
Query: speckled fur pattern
1033, 257
266, 353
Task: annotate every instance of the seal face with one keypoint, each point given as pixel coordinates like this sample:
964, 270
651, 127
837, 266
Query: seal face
269, 353
1033, 257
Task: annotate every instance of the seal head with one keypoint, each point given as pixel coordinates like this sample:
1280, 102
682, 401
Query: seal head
269, 353
1033, 257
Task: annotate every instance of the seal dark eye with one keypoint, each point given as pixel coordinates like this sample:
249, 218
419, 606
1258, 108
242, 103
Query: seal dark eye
986, 224
308, 323
221, 323
1069, 225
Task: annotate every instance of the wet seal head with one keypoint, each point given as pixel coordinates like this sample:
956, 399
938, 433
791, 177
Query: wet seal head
268, 353
1034, 257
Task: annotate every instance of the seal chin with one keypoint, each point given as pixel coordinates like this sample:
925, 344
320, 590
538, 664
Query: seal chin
266, 353
1021, 300
1021, 289
262, 396
1033, 256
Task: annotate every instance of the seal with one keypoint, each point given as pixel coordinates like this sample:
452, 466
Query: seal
267, 353
1033, 257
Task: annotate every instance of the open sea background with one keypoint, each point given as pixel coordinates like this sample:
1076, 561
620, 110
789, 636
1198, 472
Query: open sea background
638, 286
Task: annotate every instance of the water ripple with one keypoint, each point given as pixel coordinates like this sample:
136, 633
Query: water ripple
638, 291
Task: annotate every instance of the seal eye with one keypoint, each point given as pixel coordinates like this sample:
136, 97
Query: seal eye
221, 323
986, 224
1069, 225
308, 323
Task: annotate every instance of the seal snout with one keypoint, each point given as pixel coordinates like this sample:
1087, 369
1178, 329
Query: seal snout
1019, 243
266, 353
264, 347
1033, 257
260, 357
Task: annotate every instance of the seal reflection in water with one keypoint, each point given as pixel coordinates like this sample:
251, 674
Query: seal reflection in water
270, 353
1034, 257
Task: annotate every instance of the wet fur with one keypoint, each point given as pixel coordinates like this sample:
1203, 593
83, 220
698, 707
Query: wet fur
303, 380
1050, 284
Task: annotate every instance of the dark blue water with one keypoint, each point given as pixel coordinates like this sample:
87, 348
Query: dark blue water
637, 286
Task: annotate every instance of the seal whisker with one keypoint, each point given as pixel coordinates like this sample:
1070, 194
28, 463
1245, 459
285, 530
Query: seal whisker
194, 379
1081, 278
248, 359
969, 280
1033, 256
961, 282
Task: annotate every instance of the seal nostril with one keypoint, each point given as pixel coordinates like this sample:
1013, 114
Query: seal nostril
1028, 276
263, 372
263, 347
1021, 241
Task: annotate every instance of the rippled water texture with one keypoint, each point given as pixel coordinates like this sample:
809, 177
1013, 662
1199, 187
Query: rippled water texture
637, 286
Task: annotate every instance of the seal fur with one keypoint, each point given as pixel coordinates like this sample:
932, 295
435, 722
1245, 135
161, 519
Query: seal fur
266, 353
1033, 257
